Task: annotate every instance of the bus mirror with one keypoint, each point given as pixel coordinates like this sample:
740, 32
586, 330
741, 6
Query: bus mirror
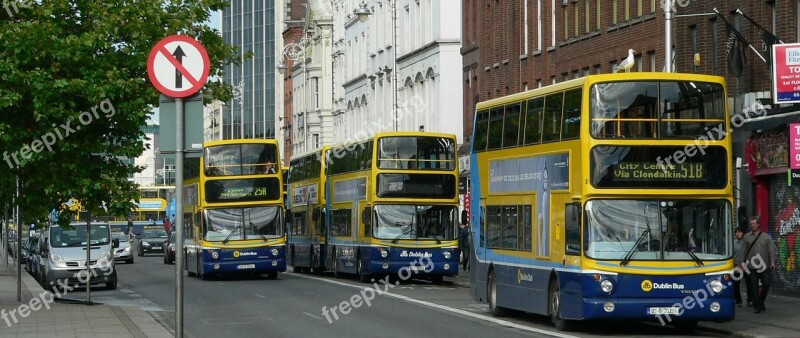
573, 216
365, 216
464, 216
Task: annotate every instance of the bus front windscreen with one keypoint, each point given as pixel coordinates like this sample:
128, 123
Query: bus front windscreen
398, 221
237, 224
423, 153
241, 159
648, 230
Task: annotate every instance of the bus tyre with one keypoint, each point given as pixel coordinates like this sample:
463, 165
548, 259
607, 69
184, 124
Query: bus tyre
685, 327
491, 295
437, 279
554, 307
272, 274
363, 277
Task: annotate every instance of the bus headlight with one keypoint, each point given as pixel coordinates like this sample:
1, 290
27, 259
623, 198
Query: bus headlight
384, 253
447, 255
716, 286
607, 286
714, 307
275, 252
214, 254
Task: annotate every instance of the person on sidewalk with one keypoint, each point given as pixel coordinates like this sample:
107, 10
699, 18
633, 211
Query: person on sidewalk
737, 249
759, 257
463, 243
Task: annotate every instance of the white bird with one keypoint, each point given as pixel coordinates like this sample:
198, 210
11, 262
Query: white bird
626, 64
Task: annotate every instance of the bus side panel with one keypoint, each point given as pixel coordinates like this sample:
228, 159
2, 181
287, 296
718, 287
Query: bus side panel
523, 289
479, 273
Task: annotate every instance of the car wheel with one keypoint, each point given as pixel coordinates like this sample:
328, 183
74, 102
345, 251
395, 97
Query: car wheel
130, 261
113, 283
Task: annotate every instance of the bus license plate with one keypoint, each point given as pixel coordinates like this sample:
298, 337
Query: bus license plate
417, 267
663, 310
246, 266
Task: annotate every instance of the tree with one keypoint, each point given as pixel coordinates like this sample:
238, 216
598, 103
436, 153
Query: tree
74, 93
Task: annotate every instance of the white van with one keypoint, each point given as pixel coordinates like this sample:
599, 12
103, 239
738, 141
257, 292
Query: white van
63, 253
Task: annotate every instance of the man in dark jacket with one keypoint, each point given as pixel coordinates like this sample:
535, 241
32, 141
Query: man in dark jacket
759, 257
463, 243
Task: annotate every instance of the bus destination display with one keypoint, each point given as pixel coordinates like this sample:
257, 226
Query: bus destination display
633, 171
244, 190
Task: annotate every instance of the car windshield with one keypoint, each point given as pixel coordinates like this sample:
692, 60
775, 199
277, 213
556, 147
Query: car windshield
403, 221
236, 224
76, 237
658, 229
154, 234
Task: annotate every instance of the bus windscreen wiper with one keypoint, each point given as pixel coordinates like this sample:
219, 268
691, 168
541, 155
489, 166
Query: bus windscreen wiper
225, 241
635, 247
406, 230
696, 259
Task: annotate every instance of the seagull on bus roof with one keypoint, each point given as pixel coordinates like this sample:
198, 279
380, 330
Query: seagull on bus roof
626, 64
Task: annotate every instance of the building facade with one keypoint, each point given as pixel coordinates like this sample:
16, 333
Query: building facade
212, 121
533, 43
252, 27
397, 68
293, 32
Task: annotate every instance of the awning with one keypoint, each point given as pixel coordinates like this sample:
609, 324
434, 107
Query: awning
773, 118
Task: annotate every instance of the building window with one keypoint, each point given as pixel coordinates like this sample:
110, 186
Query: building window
652, 6
638, 60
715, 36
588, 15
639, 9
317, 100
553, 80
586, 71
613, 66
627, 10
538, 24
693, 36
614, 12
525, 28
315, 139
553, 23
577, 21
539, 83
598, 69
566, 23
652, 57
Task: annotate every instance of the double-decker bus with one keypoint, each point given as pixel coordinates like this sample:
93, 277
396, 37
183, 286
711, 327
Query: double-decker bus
607, 196
306, 234
392, 203
233, 209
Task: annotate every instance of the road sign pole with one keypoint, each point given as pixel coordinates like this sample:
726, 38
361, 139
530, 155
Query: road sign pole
179, 217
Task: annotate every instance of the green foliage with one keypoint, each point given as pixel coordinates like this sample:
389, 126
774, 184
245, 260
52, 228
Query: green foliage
59, 59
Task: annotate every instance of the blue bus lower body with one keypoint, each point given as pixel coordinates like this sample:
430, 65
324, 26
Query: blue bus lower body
307, 255
258, 260
405, 263
665, 299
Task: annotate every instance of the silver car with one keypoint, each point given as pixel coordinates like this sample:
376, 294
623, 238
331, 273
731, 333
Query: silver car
124, 252
63, 251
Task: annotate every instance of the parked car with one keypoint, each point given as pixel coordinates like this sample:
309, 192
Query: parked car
151, 240
63, 252
30, 254
124, 251
169, 249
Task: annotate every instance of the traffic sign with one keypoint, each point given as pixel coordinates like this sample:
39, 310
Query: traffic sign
178, 66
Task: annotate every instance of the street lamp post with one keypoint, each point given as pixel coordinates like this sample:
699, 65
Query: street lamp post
363, 13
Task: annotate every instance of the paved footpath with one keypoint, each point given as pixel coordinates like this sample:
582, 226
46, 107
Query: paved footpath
782, 318
66, 320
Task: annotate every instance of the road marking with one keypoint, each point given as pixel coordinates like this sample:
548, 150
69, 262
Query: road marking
446, 308
317, 317
260, 296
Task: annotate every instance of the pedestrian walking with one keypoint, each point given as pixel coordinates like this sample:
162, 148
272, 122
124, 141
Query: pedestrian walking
737, 249
463, 243
759, 259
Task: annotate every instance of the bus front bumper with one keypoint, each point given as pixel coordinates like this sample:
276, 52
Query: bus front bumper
664, 310
245, 266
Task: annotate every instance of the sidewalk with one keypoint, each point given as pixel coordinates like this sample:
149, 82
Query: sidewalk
76, 320
782, 318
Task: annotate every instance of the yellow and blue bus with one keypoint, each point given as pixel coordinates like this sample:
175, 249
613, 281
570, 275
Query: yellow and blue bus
607, 196
306, 191
233, 209
391, 206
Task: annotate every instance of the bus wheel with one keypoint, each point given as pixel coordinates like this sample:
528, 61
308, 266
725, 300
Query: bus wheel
685, 327
363, 277
272, 274
437, 279
554, 308
186, 266
496, 310
318, 270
